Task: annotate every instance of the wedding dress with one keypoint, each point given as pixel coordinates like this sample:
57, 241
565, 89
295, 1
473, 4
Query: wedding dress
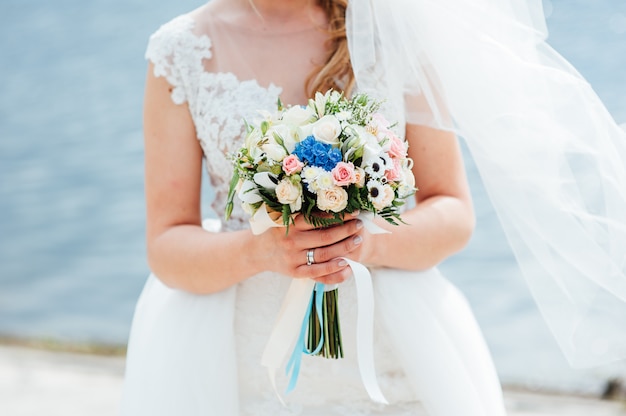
195, 355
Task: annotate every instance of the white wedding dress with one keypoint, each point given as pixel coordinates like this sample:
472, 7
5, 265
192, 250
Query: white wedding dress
193, 355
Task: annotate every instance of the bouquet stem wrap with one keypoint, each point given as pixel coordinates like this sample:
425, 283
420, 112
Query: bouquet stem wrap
289, 332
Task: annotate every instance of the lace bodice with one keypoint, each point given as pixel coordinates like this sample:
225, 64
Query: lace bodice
218, 101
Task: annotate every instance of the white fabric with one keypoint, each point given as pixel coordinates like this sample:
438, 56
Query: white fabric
198, 355
552, 159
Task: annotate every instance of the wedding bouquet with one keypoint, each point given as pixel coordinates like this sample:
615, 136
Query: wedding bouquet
334, 156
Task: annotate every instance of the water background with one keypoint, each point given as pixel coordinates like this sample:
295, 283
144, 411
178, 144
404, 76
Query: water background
72, 255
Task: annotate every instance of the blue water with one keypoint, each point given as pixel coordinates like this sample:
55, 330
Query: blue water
72, 255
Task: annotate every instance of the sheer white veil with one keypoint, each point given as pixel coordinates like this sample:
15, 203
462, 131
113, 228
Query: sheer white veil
552, 159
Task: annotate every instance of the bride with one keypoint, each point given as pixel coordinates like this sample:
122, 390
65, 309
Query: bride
207, 310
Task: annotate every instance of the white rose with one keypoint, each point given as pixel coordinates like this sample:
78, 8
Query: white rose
297, 115
327, 130
334, 199
289, 193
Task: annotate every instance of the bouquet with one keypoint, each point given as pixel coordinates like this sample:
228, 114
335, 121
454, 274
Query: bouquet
336, 156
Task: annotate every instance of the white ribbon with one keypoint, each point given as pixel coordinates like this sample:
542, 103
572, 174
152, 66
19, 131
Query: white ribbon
289, 321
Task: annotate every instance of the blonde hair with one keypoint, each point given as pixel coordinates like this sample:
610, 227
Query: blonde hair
336, 72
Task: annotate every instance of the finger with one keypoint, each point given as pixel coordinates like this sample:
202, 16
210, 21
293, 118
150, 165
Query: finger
339, 249
318, 270
335, 278
329, 236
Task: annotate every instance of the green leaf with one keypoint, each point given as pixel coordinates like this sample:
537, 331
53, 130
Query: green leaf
286, 217
231, 194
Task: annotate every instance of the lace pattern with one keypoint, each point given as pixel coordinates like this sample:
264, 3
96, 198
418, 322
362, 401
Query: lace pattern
218, 102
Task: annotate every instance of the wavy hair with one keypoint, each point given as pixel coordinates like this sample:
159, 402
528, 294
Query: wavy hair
336, 72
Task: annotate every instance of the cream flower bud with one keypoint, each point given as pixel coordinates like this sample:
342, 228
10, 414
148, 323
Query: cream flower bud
274, 151
359, 174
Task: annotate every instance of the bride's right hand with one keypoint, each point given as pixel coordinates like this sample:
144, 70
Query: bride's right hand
286, 253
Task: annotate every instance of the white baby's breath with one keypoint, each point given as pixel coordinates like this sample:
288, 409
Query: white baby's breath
344, 115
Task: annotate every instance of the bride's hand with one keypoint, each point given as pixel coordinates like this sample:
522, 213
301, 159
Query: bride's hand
287, 253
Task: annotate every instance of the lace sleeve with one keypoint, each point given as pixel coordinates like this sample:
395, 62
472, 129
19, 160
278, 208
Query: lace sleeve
177, 54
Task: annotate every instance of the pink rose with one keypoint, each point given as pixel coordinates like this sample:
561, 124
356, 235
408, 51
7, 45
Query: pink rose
291, 164
395, 172
397, 148
343, 174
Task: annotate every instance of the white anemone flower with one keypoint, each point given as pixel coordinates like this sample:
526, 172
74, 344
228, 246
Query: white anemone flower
375, 168
380, 194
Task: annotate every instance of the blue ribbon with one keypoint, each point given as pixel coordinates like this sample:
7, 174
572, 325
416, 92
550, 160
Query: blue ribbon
293, 366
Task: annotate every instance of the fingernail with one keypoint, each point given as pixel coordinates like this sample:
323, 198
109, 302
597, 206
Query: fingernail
359, 224
358, 240
355, 213
342, 263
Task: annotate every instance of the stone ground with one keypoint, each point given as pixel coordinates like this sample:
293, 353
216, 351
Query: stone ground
52, 383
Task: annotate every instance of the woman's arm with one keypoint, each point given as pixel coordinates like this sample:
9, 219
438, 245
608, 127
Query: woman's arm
185, 256
442, 221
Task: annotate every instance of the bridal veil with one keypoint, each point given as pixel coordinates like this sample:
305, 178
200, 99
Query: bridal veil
552, 159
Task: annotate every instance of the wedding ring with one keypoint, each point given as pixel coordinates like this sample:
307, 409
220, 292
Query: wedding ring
309, 257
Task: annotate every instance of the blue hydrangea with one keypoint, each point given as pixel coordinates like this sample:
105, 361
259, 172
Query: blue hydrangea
314, 153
